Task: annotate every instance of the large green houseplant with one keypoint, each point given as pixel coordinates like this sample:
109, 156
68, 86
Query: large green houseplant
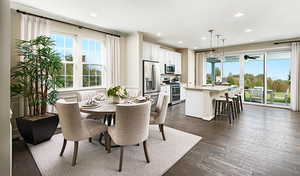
36, 78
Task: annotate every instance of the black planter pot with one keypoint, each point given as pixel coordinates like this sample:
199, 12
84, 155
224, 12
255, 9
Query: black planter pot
35, 131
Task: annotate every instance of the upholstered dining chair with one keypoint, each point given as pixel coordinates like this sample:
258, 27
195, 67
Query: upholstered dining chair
84, 96
158, 117
74, 128
131, 127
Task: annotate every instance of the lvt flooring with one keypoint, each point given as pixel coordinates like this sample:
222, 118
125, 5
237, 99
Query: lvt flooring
264, 141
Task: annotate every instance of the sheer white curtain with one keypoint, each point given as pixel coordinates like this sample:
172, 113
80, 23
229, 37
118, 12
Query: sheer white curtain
113, 61
295, 77
32, 27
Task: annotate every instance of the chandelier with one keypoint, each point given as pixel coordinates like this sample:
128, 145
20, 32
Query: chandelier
215, 55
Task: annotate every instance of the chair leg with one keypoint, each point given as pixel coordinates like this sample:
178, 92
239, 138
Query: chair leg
106, 140
146, 151
121, 158
90, 140
108, 143
75, 153
162, 131
101, 136
63, 148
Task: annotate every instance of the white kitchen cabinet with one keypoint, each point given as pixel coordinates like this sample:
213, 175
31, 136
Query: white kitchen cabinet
178, 63
162, 60
151, 51
182, 92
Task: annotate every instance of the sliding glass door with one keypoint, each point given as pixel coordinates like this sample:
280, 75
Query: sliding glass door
254, 76
278, 66
264, 76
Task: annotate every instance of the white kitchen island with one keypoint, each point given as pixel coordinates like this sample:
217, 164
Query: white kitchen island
199, 101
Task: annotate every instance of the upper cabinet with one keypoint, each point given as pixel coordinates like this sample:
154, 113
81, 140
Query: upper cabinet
163, 56
151, 51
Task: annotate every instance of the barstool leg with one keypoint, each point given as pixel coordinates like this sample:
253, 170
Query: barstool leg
241, 102
216, 109
228, 112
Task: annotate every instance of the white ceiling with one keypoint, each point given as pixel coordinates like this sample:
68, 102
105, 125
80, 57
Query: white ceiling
185, 20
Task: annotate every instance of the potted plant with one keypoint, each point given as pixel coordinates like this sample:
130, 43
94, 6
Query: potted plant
118, 94
36, 78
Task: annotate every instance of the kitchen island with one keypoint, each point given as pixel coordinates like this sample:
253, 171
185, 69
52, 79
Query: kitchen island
200, 100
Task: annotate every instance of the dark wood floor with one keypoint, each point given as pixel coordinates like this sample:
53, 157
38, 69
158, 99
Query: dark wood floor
264, 141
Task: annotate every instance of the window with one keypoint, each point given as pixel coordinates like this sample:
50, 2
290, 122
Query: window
83, 61
65, 47
231, 70
92, 63
278, 65
213, 71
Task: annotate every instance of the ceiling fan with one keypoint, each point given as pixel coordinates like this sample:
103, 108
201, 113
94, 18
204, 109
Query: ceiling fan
246, 57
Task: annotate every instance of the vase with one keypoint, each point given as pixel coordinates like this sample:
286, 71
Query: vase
117, 100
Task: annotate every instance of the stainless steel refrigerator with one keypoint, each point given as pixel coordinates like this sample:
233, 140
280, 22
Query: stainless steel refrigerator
151, 79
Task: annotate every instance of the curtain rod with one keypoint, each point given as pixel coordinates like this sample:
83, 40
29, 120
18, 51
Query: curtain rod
72, 24
284, 42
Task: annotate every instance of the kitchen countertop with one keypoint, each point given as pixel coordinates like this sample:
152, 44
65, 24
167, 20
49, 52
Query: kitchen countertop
209, 88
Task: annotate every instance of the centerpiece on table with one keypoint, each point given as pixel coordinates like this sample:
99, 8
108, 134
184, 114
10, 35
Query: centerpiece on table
118, 94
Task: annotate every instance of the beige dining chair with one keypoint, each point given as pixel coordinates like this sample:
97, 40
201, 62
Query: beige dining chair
74, 128
158, 117
131, 127
86, 95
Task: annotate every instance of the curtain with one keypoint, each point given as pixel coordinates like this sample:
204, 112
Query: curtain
32, 27
113, 61
295, 77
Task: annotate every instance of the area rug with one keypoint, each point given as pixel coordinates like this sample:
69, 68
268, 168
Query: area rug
93, 160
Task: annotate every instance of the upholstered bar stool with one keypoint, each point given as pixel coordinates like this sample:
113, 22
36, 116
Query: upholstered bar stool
224, 106
238, 93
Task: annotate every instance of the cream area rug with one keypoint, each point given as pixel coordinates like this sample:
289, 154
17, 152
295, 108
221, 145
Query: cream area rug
93, 160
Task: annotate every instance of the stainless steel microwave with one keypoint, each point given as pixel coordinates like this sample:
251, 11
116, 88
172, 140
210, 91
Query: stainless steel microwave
169, 69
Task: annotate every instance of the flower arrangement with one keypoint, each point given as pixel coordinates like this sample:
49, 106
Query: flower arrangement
117, 91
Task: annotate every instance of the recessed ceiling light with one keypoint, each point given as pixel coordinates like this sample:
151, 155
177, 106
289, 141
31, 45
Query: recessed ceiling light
158, 34
248, 30
180, 42
203, 38
195, 47
93, 14
251, 40
239, 14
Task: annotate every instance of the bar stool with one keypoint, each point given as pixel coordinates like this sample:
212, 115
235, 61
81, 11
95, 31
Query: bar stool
225, 106
240, 103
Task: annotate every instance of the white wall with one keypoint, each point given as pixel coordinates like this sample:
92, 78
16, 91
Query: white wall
5, 128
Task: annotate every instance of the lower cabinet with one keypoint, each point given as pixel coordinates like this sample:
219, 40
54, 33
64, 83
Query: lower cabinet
182, 93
